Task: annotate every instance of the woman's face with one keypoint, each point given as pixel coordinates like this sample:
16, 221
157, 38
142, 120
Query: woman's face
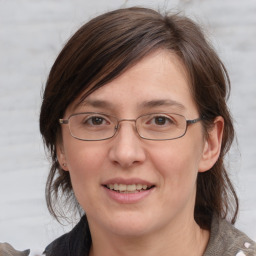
158, 83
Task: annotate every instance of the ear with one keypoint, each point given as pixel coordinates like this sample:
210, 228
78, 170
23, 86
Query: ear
212, 145
61, 156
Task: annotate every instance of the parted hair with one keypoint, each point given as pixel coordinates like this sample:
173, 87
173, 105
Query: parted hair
104, 48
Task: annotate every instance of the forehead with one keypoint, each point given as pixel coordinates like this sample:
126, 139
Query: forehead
159, 79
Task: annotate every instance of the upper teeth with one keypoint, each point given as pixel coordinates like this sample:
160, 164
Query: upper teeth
129, 188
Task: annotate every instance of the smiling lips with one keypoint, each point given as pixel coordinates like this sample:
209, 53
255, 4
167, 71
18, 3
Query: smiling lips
130, 188
128, 191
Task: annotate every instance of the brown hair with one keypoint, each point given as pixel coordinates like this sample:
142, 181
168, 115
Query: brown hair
104, 48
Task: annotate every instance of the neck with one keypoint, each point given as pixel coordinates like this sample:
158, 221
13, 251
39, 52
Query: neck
188, 239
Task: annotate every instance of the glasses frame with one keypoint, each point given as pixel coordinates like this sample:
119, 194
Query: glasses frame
188, 123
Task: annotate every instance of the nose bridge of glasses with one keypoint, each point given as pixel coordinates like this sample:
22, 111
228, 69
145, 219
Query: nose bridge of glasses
125, 120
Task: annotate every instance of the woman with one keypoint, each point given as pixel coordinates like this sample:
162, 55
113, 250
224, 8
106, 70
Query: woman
134, 114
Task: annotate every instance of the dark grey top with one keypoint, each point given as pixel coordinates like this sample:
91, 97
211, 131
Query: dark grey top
225, 240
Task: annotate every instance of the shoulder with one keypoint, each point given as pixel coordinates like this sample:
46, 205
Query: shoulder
59, 247
226, 240
76, 242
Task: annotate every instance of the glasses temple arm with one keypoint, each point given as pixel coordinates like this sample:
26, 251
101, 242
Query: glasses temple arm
63, 121
194, 121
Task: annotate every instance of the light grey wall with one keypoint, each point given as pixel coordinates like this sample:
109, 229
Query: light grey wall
32, 32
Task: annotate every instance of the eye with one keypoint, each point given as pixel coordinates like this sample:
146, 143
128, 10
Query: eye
96, 121
90, 120
160, 120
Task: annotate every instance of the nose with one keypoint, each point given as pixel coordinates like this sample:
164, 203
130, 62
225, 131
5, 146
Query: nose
127, 149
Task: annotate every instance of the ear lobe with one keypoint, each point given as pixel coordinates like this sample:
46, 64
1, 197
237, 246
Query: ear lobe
61, 157
212, 145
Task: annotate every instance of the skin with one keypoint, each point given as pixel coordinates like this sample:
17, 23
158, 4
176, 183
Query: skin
172, 165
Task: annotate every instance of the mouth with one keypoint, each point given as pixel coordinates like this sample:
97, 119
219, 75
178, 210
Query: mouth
128, 188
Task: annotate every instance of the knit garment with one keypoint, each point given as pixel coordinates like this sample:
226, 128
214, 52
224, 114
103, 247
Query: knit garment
226, 240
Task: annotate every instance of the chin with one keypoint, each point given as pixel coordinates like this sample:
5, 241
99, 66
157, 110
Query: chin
131, 231
130, 226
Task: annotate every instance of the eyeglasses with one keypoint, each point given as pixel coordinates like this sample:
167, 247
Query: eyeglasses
91, 126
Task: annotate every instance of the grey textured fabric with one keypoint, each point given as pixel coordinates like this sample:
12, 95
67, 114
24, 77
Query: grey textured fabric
7, 250
226, 240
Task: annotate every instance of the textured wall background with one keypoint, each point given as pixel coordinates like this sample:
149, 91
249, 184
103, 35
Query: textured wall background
32, 32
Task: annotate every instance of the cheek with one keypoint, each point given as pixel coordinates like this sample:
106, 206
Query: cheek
177, 172
177, 164
84, 157
85, 163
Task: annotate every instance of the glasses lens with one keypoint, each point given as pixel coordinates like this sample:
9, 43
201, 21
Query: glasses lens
161, 126
92, 126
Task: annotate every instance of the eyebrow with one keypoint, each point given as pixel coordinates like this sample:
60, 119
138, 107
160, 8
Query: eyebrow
162, 102
97, 103
145, 104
